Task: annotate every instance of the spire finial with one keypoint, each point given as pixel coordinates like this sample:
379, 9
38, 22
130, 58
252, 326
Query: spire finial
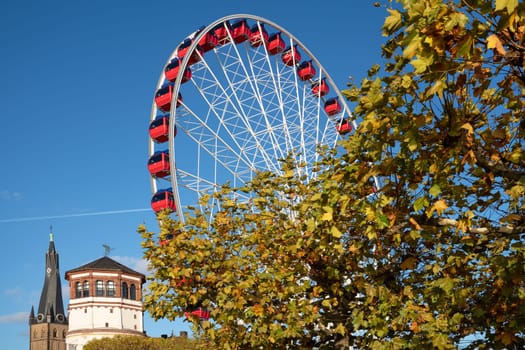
50, 233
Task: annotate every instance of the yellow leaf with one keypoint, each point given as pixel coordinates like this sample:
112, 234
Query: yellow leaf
393, 21
335, 232
258, 310
289, 174
327, 217
437, 88
317, 291
493, 42
413, 47
340, 329
510, 5
420, 66
439, 206
353, 249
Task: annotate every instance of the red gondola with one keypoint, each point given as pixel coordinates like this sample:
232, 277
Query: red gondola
256, 35
332, 106
221, 31
163, 199
240, 31
306, 70
159, 128
291, 57
275, 44
183, 50
166, 240
208, 41
172, 69
343, 126
159, 164
184, 47
163, 97
320, 88
201, 313
183, 281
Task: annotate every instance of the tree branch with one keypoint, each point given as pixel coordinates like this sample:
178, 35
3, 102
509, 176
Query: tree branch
483, 230
497, 168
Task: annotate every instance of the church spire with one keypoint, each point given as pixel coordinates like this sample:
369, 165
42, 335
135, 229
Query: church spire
51, 307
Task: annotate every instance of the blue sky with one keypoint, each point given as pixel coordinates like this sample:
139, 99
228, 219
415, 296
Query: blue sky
77, 83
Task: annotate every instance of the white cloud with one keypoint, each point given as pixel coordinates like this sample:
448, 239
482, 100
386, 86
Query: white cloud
139, 265
10, 195
14, 292
17, 317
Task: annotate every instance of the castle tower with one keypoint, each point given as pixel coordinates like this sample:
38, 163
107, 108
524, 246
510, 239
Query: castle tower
105, 300
48, 329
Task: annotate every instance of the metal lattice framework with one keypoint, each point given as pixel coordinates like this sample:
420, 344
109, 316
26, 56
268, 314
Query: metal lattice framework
242, 110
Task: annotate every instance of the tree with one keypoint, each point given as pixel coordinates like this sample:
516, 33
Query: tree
433, 257
141, 343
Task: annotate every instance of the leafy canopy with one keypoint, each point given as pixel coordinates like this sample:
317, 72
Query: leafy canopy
141, 343
432, 258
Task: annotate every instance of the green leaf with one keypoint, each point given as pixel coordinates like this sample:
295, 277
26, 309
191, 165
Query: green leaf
420, 203
435, 190
383, 220
446, 284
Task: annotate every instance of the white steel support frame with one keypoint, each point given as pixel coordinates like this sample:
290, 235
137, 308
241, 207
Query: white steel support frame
243, 110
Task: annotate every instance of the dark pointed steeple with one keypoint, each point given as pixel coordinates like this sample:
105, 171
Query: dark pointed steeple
32, 315
51, 307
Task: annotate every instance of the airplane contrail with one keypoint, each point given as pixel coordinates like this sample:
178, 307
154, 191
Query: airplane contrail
35, 218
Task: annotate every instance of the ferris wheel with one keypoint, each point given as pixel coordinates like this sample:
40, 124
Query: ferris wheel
234, 98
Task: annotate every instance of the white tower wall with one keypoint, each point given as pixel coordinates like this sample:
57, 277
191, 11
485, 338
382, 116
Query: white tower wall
103, 304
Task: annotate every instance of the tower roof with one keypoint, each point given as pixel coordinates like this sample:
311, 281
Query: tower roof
105, 263
51, 306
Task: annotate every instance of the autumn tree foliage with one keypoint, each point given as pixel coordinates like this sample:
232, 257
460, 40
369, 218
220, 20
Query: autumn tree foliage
411, 235
141, 343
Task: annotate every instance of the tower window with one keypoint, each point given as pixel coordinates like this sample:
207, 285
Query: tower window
85, 291
110, 289
78, 290
132, 292
99, 288
124, 293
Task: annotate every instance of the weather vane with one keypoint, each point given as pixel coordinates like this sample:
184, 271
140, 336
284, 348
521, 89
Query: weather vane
107, 249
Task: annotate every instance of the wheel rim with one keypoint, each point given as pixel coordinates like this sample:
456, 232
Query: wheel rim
242, 110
